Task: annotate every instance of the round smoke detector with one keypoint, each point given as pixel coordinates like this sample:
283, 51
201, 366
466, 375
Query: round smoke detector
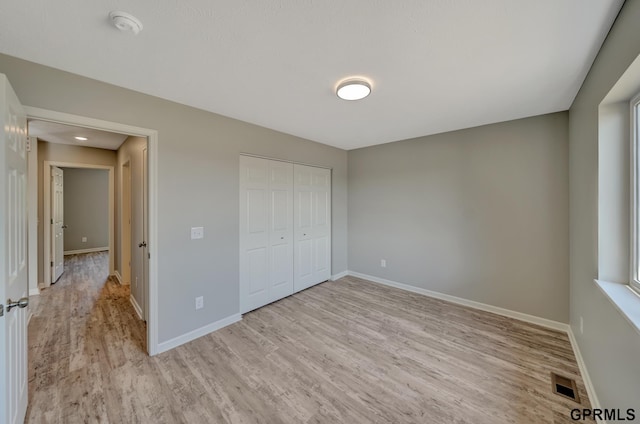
125, 22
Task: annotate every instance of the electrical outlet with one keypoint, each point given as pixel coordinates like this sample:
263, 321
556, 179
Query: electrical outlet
383, 263
581, 326
84, 239
199, 302
197, 233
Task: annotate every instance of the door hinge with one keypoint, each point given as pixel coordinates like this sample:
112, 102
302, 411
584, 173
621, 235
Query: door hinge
52, 264
1, 310
52, 221
148, 255
28, 144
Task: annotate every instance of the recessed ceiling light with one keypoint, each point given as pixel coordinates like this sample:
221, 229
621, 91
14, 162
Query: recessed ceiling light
81, 138
353, 89
125, 22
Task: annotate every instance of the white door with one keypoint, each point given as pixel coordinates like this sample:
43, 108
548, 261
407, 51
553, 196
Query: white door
13, 257
312, 226
139, 254
57, 223
145, 237
126, 223
266, 231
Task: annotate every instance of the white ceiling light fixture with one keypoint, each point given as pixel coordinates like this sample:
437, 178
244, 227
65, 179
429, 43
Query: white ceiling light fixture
353, 89
125, 22
81, 138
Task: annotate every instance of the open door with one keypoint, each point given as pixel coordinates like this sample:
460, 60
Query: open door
13, 257
145, 235
57, 223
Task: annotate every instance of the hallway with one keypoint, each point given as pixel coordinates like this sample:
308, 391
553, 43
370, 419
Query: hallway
82, 328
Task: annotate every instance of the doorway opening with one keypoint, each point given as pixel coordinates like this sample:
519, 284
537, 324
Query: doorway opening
130, 215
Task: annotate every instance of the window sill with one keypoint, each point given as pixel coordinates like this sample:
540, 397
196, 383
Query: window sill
625, 299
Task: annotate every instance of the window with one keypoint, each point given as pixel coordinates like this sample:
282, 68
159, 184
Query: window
635, 193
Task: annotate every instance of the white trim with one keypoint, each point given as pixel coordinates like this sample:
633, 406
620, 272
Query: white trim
555, 325
199, 332
339, 275
32, 209
46, 208
586, 379
136, 307
625, 299
91, 250
634, 248
251, 155
34, 292
117, 276
152, 137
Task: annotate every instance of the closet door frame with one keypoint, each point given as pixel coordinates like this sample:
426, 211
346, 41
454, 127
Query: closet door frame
244, 300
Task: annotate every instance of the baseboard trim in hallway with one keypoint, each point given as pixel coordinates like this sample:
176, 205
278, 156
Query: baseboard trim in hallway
81, 251
135, 305
199, 332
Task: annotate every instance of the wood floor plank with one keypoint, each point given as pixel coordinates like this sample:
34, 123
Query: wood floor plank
341, 352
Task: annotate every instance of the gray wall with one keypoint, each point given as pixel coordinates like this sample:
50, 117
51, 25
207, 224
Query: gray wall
609, 345
86, 208
198, 185
480, 214
62, 153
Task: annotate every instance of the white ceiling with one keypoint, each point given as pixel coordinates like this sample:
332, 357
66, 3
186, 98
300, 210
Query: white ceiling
64, 134
436, 65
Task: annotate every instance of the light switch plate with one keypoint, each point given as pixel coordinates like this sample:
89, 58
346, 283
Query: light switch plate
197, 233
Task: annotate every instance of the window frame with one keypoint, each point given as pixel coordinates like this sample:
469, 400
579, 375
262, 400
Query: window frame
634, 281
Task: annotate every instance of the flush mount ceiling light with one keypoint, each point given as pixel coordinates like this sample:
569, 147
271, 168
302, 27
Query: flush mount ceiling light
353, 89
81, 138
125, 22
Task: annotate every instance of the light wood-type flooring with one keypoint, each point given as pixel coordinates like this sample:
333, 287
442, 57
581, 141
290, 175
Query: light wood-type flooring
341, 352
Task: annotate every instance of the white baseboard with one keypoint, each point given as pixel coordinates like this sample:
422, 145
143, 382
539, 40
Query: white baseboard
80, 251
34, 292
339, 275
135, 305
555, 325
591, 392
117, 276
202, 331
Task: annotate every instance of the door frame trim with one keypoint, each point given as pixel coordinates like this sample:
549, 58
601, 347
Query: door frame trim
152, 175
46, 210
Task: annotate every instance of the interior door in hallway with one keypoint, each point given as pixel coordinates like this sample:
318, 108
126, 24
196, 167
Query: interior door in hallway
312, 226
13, 256
139, 249
57, 223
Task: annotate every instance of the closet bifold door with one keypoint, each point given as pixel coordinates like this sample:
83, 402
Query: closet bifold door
312, 226
266, 231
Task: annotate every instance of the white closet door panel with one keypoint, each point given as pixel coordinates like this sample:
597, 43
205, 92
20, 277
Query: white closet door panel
281, 272
321, 259
312, 222
305, 212
254, 233
256, 216
266, 231
281, 230
257, 264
